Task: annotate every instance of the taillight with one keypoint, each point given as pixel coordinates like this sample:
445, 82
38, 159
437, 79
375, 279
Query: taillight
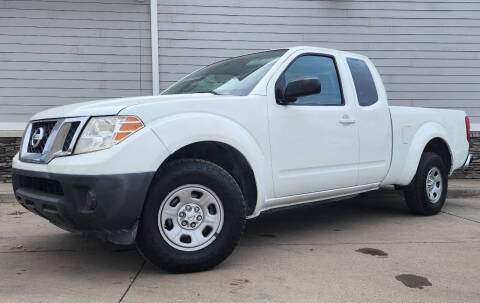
467, 125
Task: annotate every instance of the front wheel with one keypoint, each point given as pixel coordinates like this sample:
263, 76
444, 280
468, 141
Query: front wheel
193, 218
427, 192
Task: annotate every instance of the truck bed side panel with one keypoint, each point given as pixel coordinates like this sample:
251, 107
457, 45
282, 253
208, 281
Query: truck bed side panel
413, 128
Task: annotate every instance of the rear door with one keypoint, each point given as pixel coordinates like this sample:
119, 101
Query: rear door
374, 122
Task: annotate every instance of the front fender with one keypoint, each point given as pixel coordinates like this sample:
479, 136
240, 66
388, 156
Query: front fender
408, 148
180, 130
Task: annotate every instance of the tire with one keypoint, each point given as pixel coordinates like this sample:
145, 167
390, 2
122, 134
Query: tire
178, 185
428, 201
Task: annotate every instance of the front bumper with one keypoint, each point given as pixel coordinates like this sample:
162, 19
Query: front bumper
109, 205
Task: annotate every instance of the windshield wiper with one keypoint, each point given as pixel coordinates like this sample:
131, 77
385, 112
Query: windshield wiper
213, 92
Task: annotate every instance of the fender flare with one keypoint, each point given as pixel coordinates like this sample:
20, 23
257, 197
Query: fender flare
198, 127
425, 133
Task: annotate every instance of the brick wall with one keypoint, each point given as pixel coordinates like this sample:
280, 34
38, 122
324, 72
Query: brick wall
10, 146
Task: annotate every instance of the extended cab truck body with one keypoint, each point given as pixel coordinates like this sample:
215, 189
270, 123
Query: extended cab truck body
179, 173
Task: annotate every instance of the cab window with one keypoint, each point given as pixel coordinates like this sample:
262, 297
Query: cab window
315, 66
363, 80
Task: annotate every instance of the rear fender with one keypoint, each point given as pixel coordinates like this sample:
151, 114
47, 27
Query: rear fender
408, 149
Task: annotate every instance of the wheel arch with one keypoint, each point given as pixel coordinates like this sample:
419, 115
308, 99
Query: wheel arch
440, 147
430, 137
227, 157
192, 131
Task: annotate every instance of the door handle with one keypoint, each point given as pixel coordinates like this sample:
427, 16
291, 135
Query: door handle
346, 119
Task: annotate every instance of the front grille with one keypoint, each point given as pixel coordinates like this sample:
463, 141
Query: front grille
42, 130
45, 140
70, 135
44, 185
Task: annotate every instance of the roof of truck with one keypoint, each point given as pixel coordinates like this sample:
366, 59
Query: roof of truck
328, 50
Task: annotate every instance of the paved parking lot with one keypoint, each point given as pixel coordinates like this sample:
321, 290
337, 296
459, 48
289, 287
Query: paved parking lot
366, 249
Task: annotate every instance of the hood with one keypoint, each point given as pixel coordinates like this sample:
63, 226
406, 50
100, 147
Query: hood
107, 107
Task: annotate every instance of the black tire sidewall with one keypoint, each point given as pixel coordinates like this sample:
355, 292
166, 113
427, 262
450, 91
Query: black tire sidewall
181, 172
425, 206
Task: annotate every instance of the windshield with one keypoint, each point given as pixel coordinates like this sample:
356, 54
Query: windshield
237, 76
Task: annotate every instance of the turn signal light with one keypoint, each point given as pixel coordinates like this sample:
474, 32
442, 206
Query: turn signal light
128, 127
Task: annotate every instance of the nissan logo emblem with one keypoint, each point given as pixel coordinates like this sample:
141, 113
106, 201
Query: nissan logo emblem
37, 137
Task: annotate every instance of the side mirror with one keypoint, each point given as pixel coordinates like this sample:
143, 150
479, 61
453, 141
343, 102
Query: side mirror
301, 88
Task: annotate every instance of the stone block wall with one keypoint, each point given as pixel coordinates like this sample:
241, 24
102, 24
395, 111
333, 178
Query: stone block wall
473, 171
10, 146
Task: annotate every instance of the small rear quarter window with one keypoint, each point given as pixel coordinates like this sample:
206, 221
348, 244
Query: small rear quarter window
363, 80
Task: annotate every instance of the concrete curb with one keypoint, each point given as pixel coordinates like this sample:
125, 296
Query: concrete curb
453, 192
463, 193
6, 193
7, 197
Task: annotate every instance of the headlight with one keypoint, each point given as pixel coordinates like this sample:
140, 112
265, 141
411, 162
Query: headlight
104, 132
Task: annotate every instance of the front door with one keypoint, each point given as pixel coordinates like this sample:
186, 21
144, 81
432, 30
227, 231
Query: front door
314, 141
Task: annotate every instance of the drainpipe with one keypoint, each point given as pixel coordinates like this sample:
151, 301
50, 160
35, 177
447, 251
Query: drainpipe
154, 43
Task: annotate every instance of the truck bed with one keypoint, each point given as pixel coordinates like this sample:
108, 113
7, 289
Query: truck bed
411, 126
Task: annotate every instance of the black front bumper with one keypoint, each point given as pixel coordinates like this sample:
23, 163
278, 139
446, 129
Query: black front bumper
104, 204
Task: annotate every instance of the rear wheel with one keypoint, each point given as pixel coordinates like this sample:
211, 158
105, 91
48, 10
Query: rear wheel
193, 218
427, 192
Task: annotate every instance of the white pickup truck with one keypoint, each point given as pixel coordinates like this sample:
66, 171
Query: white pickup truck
180, 173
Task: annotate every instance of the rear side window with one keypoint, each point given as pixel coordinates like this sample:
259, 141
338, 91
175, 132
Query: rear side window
363, 80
